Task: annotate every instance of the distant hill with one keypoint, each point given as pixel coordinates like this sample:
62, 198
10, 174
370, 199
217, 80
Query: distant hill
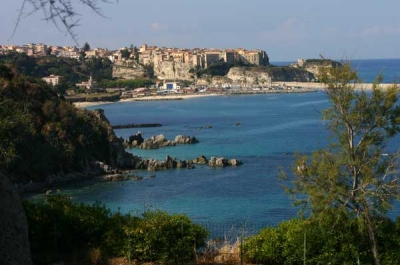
73, 71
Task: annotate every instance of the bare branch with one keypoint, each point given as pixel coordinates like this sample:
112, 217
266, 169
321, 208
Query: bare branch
60, 11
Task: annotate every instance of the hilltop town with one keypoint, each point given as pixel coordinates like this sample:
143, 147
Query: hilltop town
195, 58
175, 70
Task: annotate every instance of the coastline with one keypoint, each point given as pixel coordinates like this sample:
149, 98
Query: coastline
145, 98
304, 87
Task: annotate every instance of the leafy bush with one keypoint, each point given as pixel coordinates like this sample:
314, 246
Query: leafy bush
60, 229
169, 239
291, 240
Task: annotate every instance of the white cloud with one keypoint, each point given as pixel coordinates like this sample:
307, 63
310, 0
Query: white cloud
157, 26
290, 23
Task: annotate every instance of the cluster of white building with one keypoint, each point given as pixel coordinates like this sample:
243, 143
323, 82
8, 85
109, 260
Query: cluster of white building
37, 50
201, 57
198, 57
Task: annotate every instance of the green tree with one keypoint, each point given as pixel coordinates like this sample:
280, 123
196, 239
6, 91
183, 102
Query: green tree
82, 56
149, 68
353, 177
48, 51
86, 47
135, 53
125, 53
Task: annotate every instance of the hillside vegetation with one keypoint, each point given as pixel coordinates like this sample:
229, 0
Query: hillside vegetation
73, 71
42, 134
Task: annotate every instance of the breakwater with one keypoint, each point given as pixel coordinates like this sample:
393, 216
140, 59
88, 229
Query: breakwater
136, 125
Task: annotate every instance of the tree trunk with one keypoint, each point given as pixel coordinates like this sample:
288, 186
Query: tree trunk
372, 238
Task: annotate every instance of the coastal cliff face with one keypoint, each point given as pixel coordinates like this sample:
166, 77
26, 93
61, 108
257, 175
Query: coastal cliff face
249, 75
258, 76
172, 70
312, 65
302, 71
119, 158
128, 70
214, 81
289, 74
168, 70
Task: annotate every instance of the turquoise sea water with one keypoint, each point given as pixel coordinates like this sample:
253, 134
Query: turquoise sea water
272, 128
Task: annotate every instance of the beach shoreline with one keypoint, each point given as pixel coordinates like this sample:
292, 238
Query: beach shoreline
302, 87
146, 98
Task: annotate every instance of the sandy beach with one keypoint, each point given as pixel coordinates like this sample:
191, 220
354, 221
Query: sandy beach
145, 98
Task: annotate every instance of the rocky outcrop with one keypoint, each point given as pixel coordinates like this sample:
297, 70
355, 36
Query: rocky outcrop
158, 141
119, 158
128, 70
249, 76
289, 74
313, 65
185, 139
134, 140
172, 70
14, 241
258, 76
201, 160
223, 162
171, 163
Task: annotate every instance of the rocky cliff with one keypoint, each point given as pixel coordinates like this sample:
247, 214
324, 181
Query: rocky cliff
128, 70
312, 65
249, 75
303, 71
258, 76
171, 70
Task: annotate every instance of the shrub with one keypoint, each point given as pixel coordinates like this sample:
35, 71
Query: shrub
60, 229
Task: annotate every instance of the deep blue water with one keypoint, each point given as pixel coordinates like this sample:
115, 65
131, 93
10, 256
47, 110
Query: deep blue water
272, 128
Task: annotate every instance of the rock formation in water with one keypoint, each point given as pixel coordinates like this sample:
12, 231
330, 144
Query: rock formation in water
156, 142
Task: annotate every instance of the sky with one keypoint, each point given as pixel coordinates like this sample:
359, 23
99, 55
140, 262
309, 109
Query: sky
286, 29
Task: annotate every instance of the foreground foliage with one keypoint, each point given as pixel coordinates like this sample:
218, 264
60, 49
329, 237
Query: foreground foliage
321, 243
354, 180
62, 230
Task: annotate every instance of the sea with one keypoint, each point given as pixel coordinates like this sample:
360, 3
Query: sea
263, 131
